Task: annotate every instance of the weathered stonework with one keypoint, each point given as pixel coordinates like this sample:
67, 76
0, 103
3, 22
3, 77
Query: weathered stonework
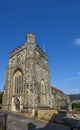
27, 84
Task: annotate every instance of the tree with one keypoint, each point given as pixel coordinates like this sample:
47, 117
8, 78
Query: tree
75, 105
1, 96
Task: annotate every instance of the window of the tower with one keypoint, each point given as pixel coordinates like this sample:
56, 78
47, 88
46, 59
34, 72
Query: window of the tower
43, 93
42, 86
18, 81
18, 58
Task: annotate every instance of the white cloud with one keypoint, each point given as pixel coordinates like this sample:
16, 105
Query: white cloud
70, 79
72, 91
77, 41
73, 78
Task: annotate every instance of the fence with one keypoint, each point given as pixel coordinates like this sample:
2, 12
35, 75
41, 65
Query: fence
3, 120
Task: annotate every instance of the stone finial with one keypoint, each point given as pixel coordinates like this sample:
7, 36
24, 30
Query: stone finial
30, 38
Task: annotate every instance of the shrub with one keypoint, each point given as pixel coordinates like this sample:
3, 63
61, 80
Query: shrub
1, 96
76, 105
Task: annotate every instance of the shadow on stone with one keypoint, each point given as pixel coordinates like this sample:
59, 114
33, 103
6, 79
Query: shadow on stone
58, 121
31, 126
50, 125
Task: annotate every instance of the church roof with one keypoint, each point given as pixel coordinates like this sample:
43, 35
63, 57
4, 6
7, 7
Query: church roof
57, 90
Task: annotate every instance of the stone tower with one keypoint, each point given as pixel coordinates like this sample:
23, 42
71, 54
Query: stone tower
27, 84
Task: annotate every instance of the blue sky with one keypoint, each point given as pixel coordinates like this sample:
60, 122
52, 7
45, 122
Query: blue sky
56, 24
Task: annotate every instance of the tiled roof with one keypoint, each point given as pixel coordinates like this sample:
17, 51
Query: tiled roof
57, 90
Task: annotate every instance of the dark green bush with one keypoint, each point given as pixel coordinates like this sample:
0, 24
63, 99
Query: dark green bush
1, 96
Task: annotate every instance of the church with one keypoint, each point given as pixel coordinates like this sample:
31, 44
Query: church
27, 84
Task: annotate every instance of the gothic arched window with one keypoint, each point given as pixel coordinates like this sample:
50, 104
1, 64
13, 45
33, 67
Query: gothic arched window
18, 81
43, 93
42, 86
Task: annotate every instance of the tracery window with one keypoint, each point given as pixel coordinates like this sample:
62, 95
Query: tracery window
18, 81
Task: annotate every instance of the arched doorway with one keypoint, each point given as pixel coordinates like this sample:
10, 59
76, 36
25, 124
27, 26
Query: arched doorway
17, 104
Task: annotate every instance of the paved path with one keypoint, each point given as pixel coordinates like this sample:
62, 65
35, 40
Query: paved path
16, 122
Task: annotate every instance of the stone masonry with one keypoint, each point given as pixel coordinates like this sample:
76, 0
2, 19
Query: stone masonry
27, 85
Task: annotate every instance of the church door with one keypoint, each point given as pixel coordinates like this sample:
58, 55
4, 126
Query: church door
17, 104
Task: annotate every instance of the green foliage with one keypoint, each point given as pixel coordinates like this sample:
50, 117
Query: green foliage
1, 96
76, 105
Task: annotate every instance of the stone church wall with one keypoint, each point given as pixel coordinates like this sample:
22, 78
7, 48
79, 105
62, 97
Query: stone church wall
46, 114
27, 84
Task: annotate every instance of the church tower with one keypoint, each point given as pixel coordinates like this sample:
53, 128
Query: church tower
27, 84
